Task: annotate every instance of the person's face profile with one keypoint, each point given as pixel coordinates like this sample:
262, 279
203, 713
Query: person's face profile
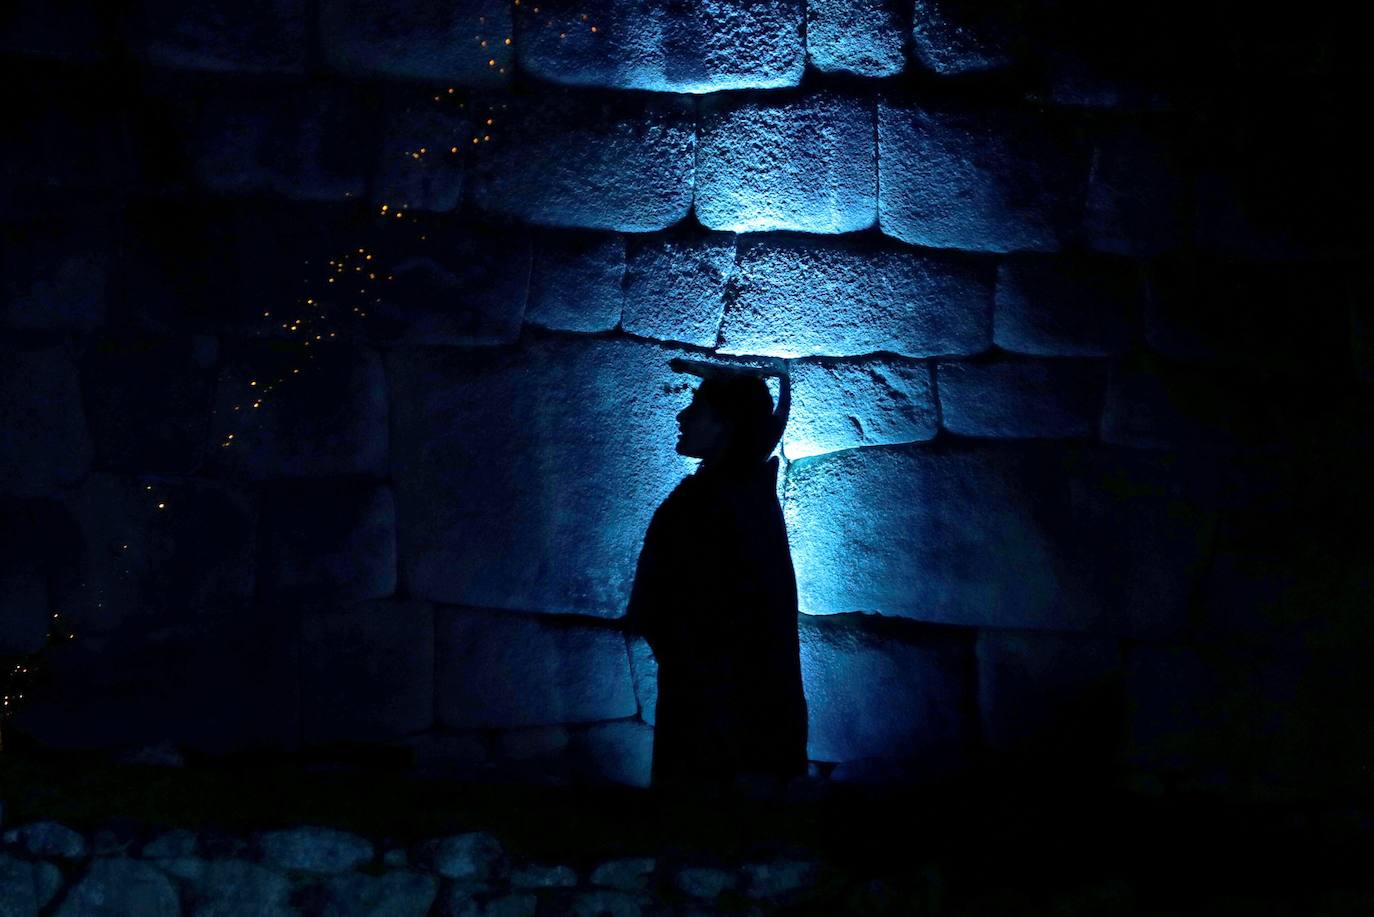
701, 432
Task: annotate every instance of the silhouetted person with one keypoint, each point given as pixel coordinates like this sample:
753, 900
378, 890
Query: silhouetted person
715, 596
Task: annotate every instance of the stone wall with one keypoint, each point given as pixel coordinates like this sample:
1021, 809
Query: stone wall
1080, 353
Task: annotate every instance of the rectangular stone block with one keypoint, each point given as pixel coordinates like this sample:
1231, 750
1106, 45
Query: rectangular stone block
802, 163
426, 139
265, 36
1030, 398
467, 43
978, 179
794, 297
700, 47
956, 37
573, 159
575, 281
273, 422
46, 446
614, 753
863, 37
367, 671
675, 286
508, 670
328, 541
1060, 306
875, 691
843, 405
482, 438
148, 399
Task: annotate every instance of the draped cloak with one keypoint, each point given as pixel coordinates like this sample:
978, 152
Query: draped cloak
715, 596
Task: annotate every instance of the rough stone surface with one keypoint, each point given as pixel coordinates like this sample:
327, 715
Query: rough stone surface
50, 839
17, 893
1055, 694
328, 540
778, 877
575, 282
863, 37
675, 286
269, 36
507, 670
644, 667
806, 163
48, 881
953, 37
482, 438
704, 882
1053, 305
980, 180
472, 857
234, 886
121, 886
463, 43
46, 446
315, 849
872, 694
328, 419
702, 47
395, 893
367, 671
148, 399
179, 842
543, 876
619, 752
795, 297
843, 405
424, 148
568, 159
630, 875
1041, 398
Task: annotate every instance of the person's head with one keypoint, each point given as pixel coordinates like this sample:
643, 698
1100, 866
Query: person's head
729, 418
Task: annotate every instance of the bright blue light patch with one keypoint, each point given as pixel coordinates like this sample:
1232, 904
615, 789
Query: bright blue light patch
865, 37
841, 405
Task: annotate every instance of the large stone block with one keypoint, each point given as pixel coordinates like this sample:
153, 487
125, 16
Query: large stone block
482, 438
468, 43
159, 546
982, 180
793, 297
46, 446
424, 147
1020, 537
149, 399
863, 37
575, 281
367, 671
328, 541
1053, 306
571, 159
1054, 695
698, 47
619, 753
328, 419
1021, 398
1137, 199
510, 670
805, 163
843, 405
221, 35
884, 692
56, 272
953, 37
675, 286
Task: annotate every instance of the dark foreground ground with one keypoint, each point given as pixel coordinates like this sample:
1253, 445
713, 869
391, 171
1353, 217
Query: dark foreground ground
971, 848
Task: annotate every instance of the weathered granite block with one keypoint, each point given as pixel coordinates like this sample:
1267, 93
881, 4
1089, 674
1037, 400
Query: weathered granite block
699, 47
328, 419
645, 669
872, 692
575, 281
46, 446
863, 37
403, 892
509, 670
54, 274
367, 671
1050, 694
468, 43
224, 35
675, 286
803, 163
842, 405
982, 180
230, 886
573, 159
1137, 199
793, 297
120, 885
483, 437
953, 37
159, 546
1017, 398
1054, 305
619, 752
149, 399
328, 541
424, 148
